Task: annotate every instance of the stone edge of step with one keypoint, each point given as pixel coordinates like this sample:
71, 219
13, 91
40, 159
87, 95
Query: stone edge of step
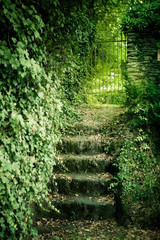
82, 138
105, 203
84, 177
98, 157
81, 198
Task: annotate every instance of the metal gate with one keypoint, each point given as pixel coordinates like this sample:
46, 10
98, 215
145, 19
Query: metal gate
105, 65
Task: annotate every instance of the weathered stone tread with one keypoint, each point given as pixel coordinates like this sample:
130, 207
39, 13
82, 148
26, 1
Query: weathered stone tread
82, 175
82, 144
89, 184
86, 127
86, 177
97, 163
100, 199
79, 207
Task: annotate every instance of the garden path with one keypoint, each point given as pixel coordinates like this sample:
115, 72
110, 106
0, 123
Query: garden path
82, 176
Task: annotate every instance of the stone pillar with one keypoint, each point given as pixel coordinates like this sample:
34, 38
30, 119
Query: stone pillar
142, 60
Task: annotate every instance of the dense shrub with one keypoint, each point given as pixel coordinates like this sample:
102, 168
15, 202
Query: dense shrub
138, 177
143, 15
68, 37
136, 167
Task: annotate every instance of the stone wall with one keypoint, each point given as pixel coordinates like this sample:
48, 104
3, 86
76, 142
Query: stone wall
142, 55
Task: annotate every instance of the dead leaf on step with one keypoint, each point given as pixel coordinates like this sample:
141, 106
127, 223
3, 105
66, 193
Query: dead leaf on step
91, 230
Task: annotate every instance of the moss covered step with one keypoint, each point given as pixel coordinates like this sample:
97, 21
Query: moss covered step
84, 163
85, 128
78, 207
89, 184
82, 144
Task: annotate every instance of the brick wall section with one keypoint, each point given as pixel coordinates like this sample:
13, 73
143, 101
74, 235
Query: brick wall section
142, 55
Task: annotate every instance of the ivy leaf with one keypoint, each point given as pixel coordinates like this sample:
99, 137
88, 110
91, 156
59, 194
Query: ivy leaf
14, 40
41, 94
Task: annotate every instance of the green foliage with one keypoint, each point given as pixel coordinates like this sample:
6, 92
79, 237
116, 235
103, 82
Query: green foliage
138, 157
139, 175
29, 113
143, 95
144, 103
142, 15
136, 167
139, 170
73, 82
42, 49
70, 31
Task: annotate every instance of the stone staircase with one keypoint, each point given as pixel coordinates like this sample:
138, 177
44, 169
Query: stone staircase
80, 183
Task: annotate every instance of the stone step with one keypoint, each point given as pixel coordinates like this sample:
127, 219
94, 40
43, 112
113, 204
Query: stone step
85, 128
78, 207
89, 184
82, 144
98, 163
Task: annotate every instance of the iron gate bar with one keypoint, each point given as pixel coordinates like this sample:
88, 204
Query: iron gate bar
110, 41
118, 61
114, 68
105, 68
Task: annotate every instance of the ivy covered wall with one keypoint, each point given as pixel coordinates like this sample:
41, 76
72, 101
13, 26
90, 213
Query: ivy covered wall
42, 44
141, 24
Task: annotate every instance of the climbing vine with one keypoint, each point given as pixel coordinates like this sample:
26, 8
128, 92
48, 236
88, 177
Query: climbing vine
29, 113
42, 49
